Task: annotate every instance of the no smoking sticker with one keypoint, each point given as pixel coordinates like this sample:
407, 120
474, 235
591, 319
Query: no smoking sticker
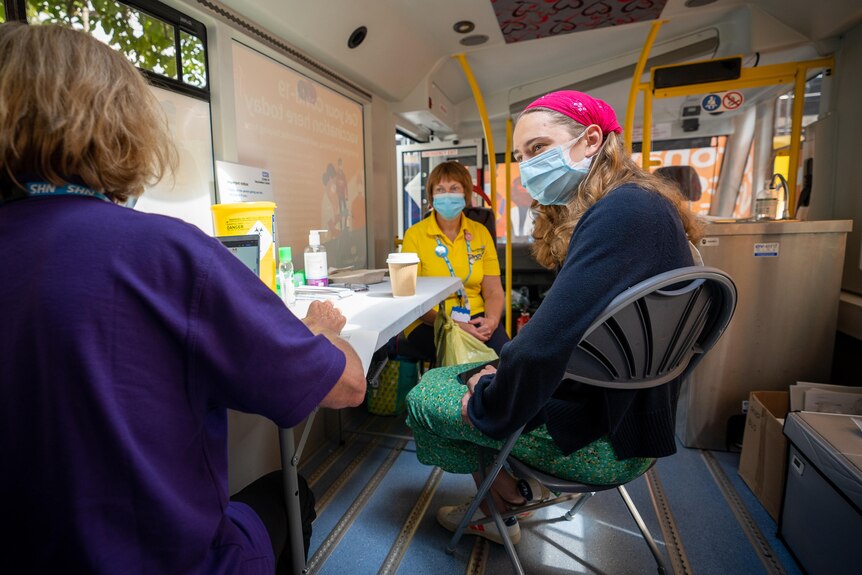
732, 100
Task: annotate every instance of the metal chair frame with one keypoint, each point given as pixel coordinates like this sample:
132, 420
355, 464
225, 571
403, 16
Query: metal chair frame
653, 333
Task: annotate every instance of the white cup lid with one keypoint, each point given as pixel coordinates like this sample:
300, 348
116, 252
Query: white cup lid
403, 258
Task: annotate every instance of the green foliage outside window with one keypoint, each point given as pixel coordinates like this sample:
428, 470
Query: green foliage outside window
194, 68
2, 12
148, 42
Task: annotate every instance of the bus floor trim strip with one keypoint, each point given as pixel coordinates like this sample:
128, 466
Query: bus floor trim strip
411, 524
340, 530
336, 454
344, 476
749, 526
679, 563
478, 560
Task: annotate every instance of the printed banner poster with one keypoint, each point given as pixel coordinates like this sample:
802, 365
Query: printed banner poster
310, 140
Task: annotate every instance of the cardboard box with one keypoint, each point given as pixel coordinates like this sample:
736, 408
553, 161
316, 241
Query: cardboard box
763, 460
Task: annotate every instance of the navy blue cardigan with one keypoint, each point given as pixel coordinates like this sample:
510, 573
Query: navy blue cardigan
626, 237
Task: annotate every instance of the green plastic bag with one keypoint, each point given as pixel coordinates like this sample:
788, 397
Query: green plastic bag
455, 346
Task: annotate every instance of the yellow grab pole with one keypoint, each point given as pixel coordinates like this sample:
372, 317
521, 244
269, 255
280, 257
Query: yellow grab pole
795, 137
646, 143
486, 127
636, 82
508, 216
492, 168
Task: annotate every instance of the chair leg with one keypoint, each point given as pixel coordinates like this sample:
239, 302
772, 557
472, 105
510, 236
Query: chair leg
577, 506
485, 493
484, 490
504, 534
495, 514
643, 528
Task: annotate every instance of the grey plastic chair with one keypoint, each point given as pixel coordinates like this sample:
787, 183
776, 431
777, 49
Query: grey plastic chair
653, 333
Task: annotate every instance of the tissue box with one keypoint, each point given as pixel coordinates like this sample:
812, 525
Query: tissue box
362, 276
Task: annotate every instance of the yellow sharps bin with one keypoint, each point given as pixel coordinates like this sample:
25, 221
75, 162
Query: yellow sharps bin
248, 218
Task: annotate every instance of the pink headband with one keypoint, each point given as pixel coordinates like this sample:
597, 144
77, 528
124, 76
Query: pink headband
582, 108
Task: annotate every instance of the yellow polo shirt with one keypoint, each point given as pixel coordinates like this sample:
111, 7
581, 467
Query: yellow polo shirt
421, 238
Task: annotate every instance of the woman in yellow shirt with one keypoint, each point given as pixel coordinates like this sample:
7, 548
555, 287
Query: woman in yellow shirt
449, 243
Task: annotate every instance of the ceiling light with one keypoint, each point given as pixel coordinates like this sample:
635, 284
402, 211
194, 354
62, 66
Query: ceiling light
464, 26
474, 40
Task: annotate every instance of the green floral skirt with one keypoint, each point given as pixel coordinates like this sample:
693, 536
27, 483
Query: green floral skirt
444, 440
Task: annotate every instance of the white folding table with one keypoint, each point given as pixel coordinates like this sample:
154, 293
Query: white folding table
373, 318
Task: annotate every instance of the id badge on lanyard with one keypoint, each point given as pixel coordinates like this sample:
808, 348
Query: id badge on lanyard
460, 313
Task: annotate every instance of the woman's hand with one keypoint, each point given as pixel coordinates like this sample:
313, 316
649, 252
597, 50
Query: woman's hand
485, 326
471, 385
464, 401
323, 317
472, 330
487, 370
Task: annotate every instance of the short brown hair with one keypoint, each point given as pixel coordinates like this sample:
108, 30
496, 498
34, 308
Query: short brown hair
450, 171
73, 110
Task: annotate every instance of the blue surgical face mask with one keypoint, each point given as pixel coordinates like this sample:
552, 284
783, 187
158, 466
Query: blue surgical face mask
550, 178
449, 206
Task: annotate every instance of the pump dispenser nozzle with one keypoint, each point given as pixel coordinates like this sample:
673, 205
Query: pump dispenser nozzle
783, 185
314, 237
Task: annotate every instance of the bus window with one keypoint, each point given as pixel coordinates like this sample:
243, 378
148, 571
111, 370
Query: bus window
415, 161
783, 121
147, 41
193, 60
705, 155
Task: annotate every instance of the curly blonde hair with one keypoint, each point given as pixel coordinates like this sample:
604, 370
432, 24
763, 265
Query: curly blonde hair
611, 168
73, 110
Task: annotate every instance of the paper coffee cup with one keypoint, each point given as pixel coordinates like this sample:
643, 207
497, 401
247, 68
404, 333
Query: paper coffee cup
403, 268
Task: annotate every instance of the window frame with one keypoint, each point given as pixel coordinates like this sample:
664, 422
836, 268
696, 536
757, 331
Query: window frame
16, 10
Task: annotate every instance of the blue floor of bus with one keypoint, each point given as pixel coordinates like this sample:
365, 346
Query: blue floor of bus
601, 539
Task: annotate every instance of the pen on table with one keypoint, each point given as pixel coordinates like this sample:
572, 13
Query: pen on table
352, 286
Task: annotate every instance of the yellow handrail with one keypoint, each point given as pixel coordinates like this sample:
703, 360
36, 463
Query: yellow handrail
486, 127
508, 216
636, 84
492, 168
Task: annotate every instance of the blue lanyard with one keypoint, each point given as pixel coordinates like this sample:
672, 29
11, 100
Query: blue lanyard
35, 189
443, 252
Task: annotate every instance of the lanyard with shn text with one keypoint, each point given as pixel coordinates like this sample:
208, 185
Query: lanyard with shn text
443, 252
35, 189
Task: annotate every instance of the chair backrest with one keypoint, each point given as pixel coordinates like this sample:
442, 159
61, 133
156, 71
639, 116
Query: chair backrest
655, 331
484, 216
685, 177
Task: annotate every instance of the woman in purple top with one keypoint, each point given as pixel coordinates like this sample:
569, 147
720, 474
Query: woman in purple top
126, 337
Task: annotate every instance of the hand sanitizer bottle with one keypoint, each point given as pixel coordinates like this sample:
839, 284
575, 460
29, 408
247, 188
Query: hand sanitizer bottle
766, 203
286, 287
316, 268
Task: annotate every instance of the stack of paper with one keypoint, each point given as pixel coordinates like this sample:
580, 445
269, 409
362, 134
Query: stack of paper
825, 398
322, 292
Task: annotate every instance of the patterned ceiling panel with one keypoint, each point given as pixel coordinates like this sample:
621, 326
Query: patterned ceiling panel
530, 19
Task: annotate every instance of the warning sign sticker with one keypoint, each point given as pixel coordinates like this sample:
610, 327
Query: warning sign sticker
732, 100
265, 236
722, 102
